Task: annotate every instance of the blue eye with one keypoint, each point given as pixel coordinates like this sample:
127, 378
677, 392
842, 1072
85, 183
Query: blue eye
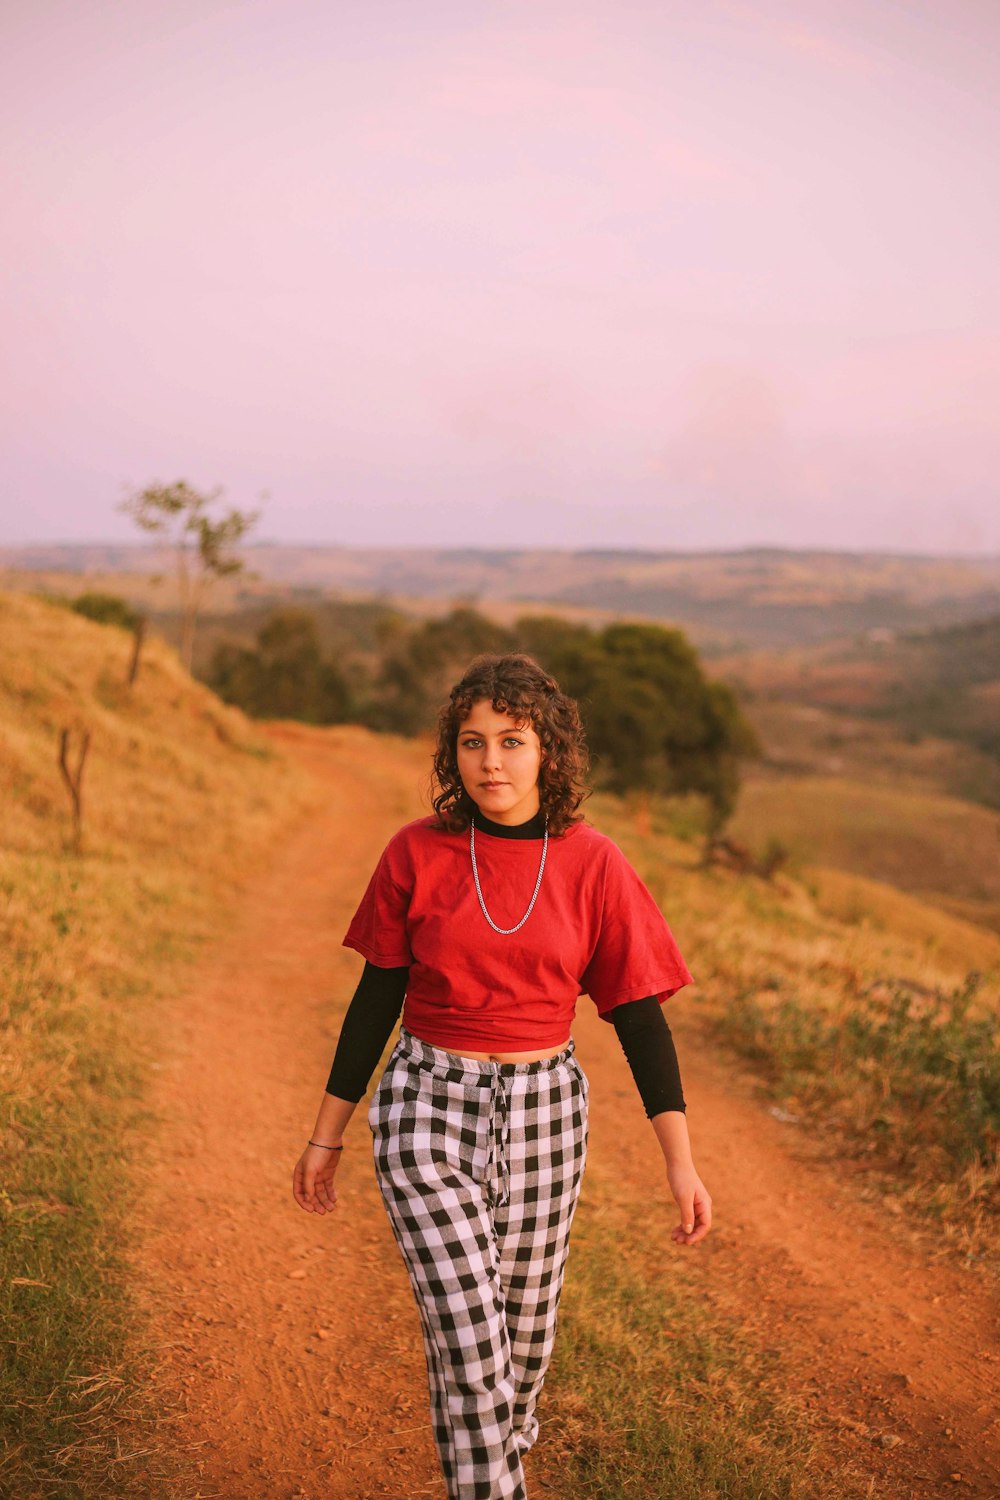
474, 742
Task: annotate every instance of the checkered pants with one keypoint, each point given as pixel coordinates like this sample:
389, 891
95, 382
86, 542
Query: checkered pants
479, 1165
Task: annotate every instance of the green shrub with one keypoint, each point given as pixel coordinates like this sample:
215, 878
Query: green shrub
106, 609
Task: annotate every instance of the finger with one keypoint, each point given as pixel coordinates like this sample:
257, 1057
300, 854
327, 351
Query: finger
702, 1224
297, 1190
304, 1187
326, 1193
301, 1199
698, 1235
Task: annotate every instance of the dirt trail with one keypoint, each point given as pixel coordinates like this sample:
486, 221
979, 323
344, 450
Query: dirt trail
290, 1351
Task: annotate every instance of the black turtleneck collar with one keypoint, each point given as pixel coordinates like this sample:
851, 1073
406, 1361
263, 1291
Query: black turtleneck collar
534, 828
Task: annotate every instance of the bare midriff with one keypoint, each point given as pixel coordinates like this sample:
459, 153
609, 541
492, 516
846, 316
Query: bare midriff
513, 1057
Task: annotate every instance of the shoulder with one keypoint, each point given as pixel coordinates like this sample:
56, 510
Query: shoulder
418, 838
418, 830
587, 840
599, 855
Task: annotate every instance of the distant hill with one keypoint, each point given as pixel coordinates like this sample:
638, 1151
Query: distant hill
929, 682
734, 600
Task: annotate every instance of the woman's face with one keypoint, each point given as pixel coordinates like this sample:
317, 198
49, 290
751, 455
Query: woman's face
499, 763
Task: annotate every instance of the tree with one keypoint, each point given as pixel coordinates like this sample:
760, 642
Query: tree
204, 547
106, 609
419, 667
654, 721
286, 677
110, 609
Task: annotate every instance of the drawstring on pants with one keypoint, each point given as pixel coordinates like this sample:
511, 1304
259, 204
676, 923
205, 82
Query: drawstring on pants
497, 1166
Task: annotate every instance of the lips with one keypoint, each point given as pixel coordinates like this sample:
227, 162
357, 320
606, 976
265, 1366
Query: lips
492, 786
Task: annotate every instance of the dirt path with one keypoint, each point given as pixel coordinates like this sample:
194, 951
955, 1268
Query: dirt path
289, 1347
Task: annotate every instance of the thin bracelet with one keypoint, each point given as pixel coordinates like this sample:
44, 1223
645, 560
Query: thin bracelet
325, 1148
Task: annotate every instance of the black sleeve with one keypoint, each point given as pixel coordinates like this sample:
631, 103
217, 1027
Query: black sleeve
368, 1021
649, 1047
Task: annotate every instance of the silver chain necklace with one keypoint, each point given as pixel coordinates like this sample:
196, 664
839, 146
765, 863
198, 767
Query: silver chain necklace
479, 890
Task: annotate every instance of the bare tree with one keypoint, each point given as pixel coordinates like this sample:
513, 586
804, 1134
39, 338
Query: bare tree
73, 777
138, 638
205, 548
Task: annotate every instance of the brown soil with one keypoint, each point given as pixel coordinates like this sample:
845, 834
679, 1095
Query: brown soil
288, 1345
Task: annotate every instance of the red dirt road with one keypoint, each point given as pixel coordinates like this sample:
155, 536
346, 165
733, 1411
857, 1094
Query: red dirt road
289, 1350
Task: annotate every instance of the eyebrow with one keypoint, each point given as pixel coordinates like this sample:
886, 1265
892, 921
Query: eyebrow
480, 733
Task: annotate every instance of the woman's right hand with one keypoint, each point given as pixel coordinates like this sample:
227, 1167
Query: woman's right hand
312, 1180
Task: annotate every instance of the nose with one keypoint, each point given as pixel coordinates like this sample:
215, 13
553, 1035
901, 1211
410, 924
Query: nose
491, 757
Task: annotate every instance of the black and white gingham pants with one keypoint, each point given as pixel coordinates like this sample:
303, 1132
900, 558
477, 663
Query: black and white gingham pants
479, 1165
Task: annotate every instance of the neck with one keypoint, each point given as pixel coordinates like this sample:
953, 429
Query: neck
532, 828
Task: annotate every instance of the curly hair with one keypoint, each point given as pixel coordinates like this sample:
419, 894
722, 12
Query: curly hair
515, 684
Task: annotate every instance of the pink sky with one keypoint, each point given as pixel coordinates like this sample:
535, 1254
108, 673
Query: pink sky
635, 273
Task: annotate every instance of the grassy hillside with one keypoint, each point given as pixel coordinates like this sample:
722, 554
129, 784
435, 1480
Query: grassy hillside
867, 1013
179, 793
927, 684
806, 739
941, 848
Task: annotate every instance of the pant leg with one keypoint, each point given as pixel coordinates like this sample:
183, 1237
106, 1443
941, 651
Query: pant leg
546, 1153
431, 1143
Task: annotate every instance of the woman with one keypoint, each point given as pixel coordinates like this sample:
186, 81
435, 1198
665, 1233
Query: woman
491, 916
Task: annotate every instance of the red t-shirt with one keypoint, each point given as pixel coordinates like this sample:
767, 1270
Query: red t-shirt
594, 929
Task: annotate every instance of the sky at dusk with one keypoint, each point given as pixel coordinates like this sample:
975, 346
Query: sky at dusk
639, 273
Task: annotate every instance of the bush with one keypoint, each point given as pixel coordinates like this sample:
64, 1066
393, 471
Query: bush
286, 676
106, 609
654, 721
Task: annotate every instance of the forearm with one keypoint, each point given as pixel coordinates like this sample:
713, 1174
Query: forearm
332, 1120
367, 1026
671, 1130
651, 1055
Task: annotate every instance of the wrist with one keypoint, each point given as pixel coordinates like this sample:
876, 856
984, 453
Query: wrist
671, 1129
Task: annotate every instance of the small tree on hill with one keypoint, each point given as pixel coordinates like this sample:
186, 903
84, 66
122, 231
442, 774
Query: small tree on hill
110, 609
106, 609
204, 546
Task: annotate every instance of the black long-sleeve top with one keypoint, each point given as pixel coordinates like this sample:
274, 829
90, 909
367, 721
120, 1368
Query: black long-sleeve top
378, 1001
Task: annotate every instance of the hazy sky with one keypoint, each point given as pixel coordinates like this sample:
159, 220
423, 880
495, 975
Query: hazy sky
676, 273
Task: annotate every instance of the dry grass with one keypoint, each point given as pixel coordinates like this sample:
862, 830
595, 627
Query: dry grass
916, 840
653, 1392
878, 1022
803, 738
180, 794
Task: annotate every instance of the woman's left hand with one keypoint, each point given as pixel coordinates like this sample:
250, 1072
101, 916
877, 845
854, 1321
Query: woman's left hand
691, 1196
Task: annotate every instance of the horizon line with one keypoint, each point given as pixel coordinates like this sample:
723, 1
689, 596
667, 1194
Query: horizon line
138, 545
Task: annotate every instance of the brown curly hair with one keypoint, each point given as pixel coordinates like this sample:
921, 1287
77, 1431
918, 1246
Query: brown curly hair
515, 684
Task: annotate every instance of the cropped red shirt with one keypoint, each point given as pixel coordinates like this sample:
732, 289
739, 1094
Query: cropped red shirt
594, 929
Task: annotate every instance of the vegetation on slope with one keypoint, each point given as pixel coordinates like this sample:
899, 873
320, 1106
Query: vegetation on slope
879, 1031
884, 1040
178, 793
653, 719
926, 685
